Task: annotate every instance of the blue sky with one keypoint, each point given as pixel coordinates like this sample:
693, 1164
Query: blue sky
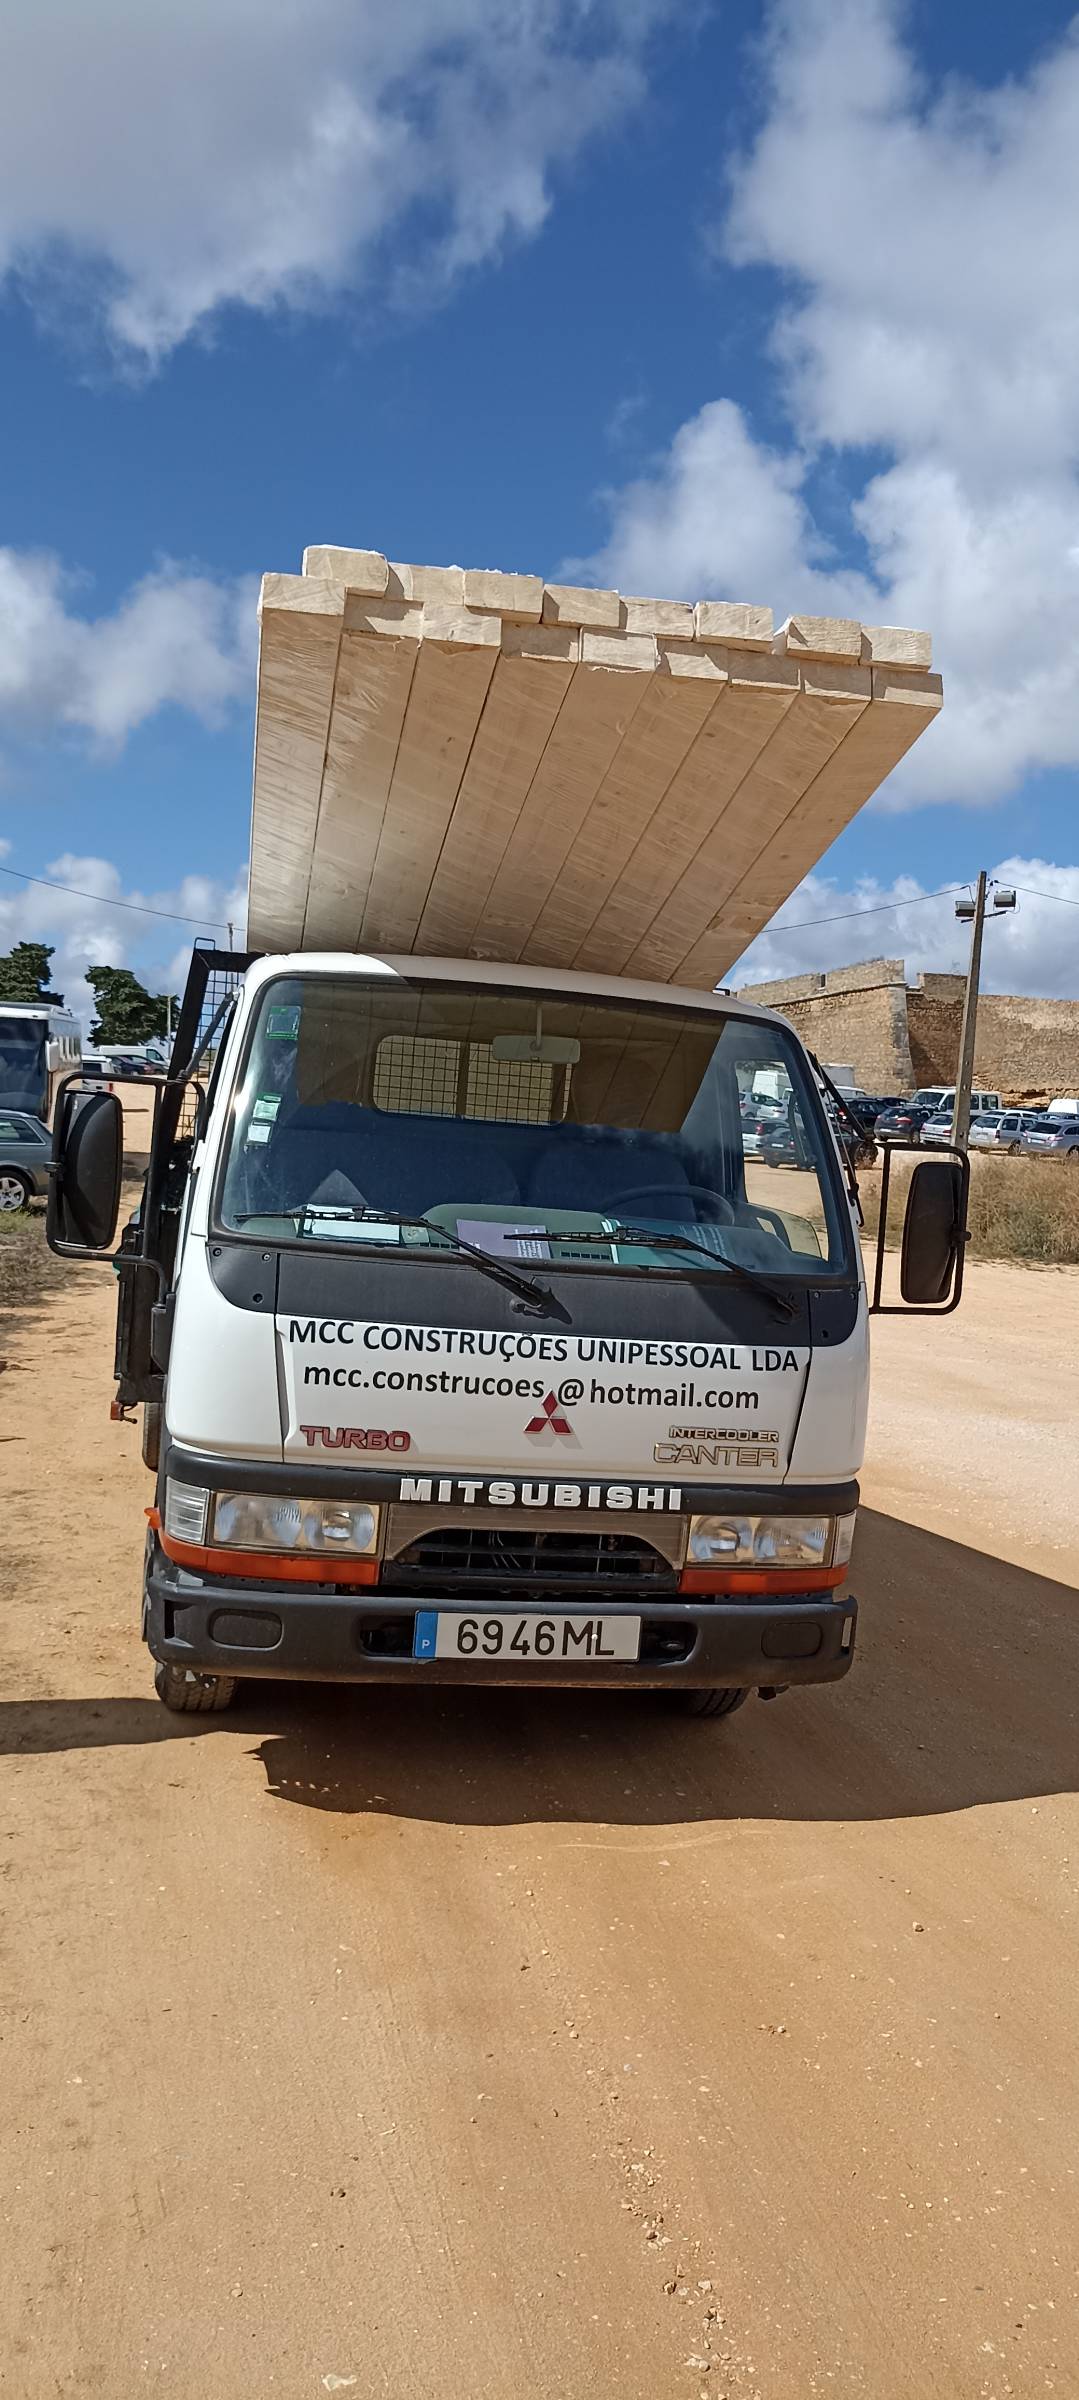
780, 307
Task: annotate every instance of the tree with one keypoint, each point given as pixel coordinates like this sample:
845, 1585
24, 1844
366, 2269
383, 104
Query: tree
126, 1011
25, 971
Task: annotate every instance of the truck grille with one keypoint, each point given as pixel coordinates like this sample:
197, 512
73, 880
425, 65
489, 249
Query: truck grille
527, 1559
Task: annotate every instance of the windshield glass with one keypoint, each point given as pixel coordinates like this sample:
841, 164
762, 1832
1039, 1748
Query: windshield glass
23, 1077
536, 1127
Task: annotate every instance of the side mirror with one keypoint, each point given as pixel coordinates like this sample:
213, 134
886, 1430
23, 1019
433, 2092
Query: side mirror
933, 1232
87, 1164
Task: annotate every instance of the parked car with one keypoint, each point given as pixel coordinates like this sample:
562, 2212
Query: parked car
869, 1105
937, 1128
858, 1147
903, 1124
1007, 1133
1054, 1135
758, 1117
119, 1066
25, 1147
780, 1146
983, 1130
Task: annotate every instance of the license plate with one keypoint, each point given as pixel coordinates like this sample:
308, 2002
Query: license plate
490, 1634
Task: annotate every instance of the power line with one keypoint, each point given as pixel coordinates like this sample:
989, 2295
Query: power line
882, 908
1034, 894
138, 906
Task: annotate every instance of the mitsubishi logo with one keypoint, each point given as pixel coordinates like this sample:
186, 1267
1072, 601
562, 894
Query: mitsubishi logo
550, 1419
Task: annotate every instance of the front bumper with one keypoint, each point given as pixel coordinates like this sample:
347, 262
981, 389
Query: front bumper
324, 1634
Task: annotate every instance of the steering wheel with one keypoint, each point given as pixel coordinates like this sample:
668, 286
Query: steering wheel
666, 1191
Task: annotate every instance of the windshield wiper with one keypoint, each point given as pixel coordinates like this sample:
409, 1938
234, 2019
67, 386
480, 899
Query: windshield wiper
637, 1235
499, 1270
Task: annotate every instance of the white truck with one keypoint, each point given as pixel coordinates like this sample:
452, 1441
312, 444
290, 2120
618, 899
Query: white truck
472, 1344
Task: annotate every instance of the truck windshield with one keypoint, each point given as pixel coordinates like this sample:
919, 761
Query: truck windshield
541, 1128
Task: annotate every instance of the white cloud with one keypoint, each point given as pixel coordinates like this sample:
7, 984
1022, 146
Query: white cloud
261, 152
1034, 950
929, 310
177, 637
90, 925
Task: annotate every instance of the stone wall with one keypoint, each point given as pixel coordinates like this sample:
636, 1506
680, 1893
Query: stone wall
1028, 1045
898, 1036
855, 1015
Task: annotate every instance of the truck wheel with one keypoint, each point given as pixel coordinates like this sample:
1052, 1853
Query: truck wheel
721, 1702
192, 1694
151, 1435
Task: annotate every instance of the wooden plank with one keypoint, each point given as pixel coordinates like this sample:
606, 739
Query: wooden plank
735, 622
577, 604
374, 678
448, 691
358, 570
746, 710
903, 705
666, 724
836, 638
517, 599
519, 715
810, 731
595, 715
298, 648
673, 617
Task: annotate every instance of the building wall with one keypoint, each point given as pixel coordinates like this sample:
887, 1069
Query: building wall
898, 1036
856, 1014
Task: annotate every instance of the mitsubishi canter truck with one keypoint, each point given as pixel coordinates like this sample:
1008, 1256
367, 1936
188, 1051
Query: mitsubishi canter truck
472, 1342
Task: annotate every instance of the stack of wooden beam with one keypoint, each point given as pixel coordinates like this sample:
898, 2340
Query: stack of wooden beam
478, 764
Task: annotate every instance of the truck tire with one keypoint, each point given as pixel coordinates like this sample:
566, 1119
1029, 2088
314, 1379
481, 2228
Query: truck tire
720, 1702
151, 1435
191, 1694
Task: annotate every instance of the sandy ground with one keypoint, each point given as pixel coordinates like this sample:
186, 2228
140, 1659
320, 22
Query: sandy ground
487, 2046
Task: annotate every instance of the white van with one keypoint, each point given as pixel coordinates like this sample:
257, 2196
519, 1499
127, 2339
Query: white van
941, 1097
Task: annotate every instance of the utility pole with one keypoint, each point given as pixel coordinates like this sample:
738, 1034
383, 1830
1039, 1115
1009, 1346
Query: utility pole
972, 912
965, 1076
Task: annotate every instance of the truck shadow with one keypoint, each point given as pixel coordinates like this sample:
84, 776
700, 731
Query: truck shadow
965, 1691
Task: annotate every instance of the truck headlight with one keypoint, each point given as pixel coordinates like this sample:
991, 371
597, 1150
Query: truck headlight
744, 1541
262, 1521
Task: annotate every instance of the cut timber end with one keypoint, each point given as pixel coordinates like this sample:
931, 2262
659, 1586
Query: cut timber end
472, 762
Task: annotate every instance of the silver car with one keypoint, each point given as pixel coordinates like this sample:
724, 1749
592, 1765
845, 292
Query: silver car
938, 1128
1010, 1127
1052, 1136
25, 1147
983, 1129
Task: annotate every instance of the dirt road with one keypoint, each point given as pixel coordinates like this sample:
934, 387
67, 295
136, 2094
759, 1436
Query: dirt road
485, 2046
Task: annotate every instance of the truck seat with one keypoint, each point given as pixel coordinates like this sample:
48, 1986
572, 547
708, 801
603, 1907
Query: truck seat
407, 1164
602, 1172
